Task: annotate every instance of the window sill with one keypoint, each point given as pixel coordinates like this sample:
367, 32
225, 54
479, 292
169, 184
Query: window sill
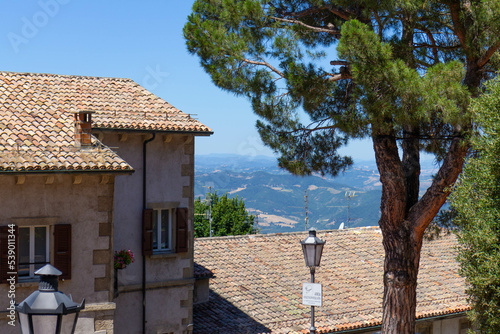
28, 283
163, 254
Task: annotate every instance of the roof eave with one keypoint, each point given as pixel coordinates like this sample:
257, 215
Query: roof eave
148, 131
72, 171
360, 330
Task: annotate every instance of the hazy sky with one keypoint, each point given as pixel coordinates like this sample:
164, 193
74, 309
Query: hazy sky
141, 40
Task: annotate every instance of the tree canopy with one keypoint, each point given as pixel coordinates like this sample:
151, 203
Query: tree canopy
322, 72
476, 200
228, 215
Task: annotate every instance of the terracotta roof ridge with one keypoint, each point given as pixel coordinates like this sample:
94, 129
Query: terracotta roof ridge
65, 75
429, 314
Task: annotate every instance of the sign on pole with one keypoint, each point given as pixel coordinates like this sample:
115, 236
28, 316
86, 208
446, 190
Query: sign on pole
312, 294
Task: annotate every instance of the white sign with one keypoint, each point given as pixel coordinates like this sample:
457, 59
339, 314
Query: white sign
311, 294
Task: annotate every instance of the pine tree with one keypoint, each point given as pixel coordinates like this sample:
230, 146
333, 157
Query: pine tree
322, 72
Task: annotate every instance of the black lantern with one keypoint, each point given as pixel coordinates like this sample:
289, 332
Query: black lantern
48, 310
312, 247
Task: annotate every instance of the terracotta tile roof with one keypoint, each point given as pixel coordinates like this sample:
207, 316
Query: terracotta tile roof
36, 120
43, 140
257, 286
118, 103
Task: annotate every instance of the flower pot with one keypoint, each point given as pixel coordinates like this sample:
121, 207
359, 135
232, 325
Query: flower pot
121, 266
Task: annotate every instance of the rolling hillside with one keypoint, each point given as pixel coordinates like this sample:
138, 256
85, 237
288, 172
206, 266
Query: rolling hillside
278, 198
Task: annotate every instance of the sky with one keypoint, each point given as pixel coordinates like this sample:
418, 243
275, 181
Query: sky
140, 40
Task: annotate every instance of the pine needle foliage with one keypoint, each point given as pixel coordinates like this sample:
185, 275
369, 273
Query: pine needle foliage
476, 199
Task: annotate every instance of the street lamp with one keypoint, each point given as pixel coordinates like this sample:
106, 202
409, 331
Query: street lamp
312, 247
48, 310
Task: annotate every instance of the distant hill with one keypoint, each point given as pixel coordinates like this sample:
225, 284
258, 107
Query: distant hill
278, 198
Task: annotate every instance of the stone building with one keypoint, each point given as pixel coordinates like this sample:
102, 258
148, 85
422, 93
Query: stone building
90, 166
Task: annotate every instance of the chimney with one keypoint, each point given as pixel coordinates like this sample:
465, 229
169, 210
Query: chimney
83, 127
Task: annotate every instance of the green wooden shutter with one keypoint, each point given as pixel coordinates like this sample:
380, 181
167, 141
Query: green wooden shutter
62, 249
147, 232
181, 230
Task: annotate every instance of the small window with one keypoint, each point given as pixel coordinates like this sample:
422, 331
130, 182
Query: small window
33, 250
162, 230
165, 230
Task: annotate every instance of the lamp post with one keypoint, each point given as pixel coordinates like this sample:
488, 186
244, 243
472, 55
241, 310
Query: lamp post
312, 247
48, 310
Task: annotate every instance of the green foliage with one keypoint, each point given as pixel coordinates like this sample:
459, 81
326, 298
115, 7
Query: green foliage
229, 216
393, 94
477, 202
276, 53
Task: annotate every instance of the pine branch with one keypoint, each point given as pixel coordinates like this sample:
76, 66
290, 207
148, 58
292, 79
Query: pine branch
331, 31
339, 62
343, 14
308, 130
379, 23
338, 76
489, 53
458, 27
428, 206
266, 64
346, 15
435, 46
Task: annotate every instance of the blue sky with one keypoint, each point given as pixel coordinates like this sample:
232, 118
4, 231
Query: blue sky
131, 39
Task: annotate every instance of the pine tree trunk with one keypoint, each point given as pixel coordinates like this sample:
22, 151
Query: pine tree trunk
403, 220
401, 244
402, 255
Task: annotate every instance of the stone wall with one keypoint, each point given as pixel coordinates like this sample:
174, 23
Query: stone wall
169, 277
86, 202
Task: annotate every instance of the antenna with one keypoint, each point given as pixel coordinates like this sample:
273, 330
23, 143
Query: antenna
208, 212
349, 195
307, 218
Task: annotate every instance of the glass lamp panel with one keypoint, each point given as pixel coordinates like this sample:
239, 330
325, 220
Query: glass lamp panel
44, 324
155, 229
309, 254
305, 254
165, 220
24, 321
24, 252
40, 247
68, 322
319, 251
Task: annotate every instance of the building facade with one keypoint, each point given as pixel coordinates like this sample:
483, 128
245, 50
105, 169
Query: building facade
90, 166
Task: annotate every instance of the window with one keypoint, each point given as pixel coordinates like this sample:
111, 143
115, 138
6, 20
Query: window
34, 247
33, 250
162, 229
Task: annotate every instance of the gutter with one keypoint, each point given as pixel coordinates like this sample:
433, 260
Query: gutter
144, 172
